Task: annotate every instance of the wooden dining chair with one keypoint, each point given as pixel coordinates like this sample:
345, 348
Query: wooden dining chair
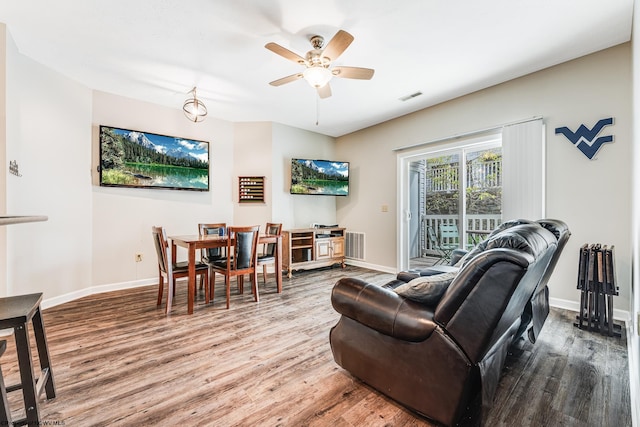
167, 269
268, 255
241, 259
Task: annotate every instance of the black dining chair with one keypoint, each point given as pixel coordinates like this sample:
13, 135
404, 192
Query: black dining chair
208, 255
216, 229
241, 259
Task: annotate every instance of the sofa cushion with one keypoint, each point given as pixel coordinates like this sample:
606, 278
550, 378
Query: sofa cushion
408, 275
426, 289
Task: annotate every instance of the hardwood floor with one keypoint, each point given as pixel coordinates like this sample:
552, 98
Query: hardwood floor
423, 261
118, 360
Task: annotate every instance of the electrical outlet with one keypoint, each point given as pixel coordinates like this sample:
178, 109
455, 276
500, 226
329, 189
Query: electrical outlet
138, 257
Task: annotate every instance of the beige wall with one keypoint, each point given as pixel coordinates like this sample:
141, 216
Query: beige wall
252, 149
592, 196
297, 210
266, 149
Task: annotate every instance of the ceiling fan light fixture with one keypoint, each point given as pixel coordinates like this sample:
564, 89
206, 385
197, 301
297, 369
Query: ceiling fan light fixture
319, 62
194, 109
318, 76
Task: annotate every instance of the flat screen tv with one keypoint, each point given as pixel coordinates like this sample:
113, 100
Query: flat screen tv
321, 177
130, 158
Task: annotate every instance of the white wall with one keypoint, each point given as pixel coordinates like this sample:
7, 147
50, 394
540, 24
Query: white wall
299, 210
593, 197
252, 151
266, 149
89, 242
122, 217
49, 136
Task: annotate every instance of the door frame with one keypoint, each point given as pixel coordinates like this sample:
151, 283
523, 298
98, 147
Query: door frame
403, 164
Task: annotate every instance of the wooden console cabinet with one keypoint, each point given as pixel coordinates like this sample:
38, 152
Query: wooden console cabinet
307, 248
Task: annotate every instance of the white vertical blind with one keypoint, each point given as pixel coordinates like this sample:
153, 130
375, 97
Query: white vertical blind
523, 167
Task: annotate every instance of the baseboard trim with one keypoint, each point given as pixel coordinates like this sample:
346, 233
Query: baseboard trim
61, 299
52, 302
621, 315
381, 268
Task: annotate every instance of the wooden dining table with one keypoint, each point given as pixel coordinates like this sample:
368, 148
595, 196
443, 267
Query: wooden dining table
193, 242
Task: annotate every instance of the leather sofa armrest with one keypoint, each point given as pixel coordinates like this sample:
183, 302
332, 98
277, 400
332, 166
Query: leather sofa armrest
382, 310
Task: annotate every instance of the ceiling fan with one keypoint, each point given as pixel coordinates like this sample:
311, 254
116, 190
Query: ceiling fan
318, 70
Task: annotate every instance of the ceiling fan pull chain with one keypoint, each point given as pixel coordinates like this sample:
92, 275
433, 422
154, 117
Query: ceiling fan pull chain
317, 109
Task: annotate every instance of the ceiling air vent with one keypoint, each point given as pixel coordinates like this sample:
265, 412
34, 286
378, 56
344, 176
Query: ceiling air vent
408, 97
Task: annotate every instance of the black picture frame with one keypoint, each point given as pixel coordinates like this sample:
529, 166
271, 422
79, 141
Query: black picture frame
135, 159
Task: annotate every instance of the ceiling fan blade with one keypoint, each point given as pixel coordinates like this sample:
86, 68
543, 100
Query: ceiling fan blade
353, 73
287, 79
338, 44
285, 53
324, 91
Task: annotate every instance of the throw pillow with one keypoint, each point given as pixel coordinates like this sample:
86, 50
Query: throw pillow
426, 289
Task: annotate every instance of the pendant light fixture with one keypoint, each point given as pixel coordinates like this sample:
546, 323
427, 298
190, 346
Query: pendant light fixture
193, 108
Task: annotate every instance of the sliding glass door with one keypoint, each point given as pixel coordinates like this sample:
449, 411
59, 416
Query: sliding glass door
452, 196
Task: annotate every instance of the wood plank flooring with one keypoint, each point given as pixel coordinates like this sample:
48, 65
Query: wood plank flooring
119, 361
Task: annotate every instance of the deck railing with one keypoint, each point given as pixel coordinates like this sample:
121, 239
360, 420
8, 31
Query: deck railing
486, 174
478, 222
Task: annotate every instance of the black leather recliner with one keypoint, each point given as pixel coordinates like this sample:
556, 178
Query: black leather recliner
435, 359
537, 310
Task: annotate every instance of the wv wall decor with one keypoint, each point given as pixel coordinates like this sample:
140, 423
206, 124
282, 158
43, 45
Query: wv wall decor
587, 140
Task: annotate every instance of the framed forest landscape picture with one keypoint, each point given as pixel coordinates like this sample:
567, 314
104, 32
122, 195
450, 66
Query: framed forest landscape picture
130, 158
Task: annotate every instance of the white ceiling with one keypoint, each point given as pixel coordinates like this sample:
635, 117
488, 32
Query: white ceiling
157, 50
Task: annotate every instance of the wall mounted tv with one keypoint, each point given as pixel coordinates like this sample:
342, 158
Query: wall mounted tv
322, 177
130, 158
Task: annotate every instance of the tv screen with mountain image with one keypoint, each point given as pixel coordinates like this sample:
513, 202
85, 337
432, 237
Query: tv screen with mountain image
323, 177
129, 158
